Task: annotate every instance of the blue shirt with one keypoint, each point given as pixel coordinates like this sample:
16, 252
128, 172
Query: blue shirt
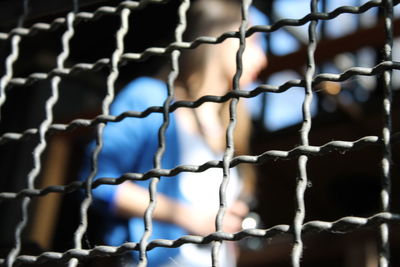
130, 146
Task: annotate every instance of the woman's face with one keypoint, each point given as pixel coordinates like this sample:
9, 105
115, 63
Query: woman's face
253, 59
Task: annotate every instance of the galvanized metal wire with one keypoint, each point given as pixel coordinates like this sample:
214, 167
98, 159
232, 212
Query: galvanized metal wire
330, 147
343, 225
300, 152
302, 178
346, 75
384, 253
184, 6
230, 146
112, 77
152, 51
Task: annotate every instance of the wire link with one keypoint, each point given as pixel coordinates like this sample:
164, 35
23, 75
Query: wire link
112, 77
81, 16
230, 147
330, 147
39, 149
12, 58
343, 225
302, 179
159, 51
84, 16
348, 74
384, 253
184, 6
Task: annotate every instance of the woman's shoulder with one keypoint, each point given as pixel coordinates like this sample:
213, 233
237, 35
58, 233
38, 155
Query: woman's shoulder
145, 88
140, 94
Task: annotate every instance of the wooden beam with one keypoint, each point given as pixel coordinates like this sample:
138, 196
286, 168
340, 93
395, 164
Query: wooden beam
46, 211
327, 49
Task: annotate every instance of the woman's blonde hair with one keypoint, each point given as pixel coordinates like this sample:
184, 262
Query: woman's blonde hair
212, 18
205, 18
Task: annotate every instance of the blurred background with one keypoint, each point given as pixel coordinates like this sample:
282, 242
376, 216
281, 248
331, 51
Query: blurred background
340, 184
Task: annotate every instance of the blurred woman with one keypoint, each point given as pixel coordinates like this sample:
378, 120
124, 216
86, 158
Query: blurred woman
187, 203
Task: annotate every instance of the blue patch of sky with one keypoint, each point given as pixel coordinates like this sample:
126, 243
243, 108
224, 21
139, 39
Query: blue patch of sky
284, 109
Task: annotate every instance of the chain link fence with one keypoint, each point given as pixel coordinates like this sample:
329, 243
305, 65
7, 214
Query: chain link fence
302, 152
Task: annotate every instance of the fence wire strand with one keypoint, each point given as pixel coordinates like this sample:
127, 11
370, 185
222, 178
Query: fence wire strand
384, 253
119, 57
325, 149
343, 225
230, 147
264, 88
154, 51
302, 179
184, 6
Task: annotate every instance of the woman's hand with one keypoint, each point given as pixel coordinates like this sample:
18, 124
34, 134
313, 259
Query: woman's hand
202, 222
132, 200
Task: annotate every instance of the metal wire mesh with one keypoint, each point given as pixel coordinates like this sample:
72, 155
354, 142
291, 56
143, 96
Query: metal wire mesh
301, 152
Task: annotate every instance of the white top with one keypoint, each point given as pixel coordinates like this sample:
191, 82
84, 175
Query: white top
202, 191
